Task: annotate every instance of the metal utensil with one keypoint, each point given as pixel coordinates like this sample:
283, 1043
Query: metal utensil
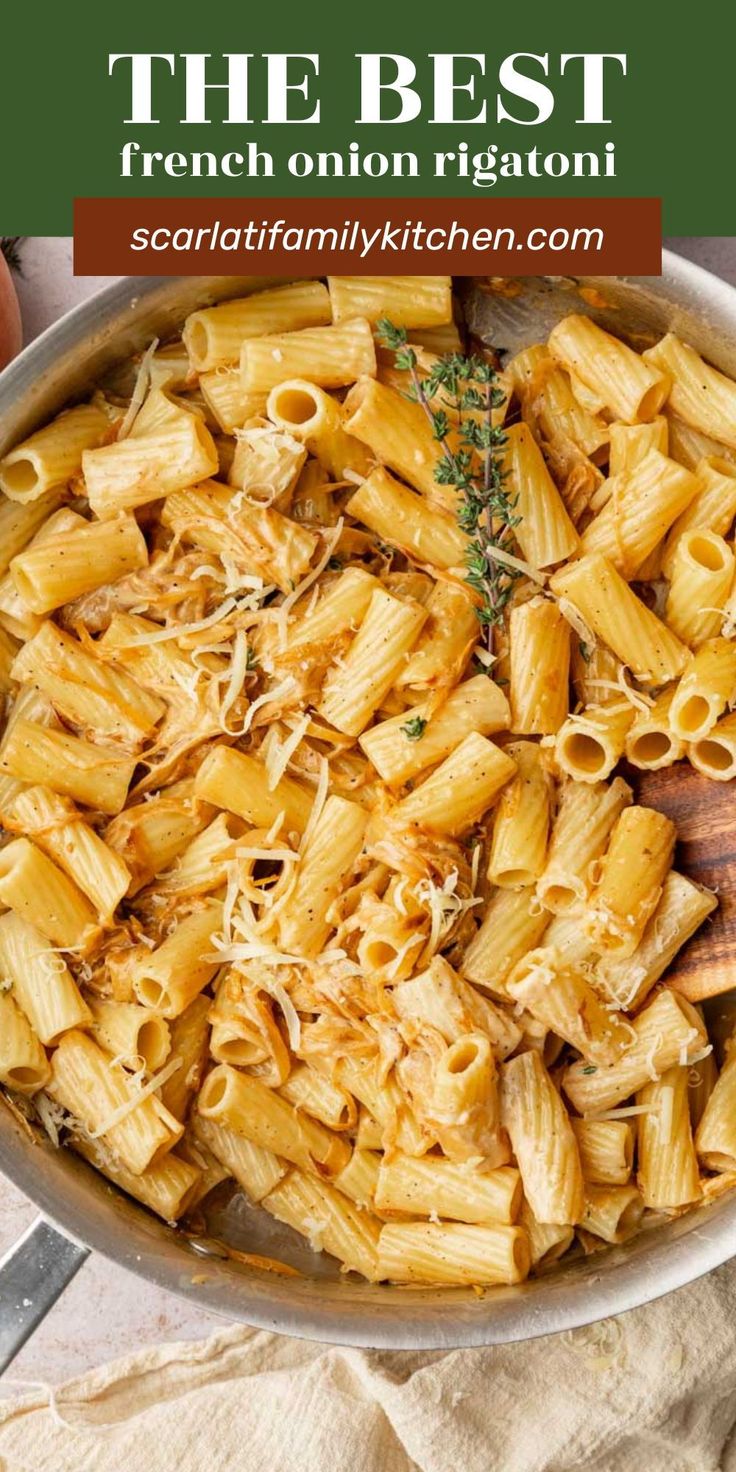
91, 1214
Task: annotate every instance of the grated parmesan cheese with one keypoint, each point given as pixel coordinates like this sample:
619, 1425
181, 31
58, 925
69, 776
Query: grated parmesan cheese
284, 609
291, 1016
122, 1112
140, 389
279, 692
175, 631
507, 559
320, 798
281, 752
577, 622
238, 671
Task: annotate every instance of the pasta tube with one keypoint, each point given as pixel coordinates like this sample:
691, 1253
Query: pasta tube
72, 563
682, 908
359, 1178
589, 745
226, 400
189, 1035
543, 1141
706, 688
613, 1213
448, 634
606, 1149
464, 1104
340, 610
170, 977
450, 1253
521, 826
610, 608
459, 791
20, 521
323, 870
244, 1104
38, 892
630, 386
215, 335
642, 505
316, 1095
425, 533
353, 692
168, 1187
699, 394
652, 741
255, 1169
53, 455
421, 1187
668, 1031
560, 998
329, 356
632, 872
24, 1066
548, 1241
132, 1033
580, 832
398, 435
414, 301
668, 1173
313, 417
713, 507
328, 1220
550, 402
108, 1103
238, 782
715, 1139
439, 999
149, 835
700, 581
715, 754
257, 538
41, 982
58, 828
93, 775
405, 745
539, 667
96, 697
631, 443
513, 924
545, 532
176, 451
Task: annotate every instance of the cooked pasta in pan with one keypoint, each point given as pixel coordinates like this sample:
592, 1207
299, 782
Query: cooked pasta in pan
329, 654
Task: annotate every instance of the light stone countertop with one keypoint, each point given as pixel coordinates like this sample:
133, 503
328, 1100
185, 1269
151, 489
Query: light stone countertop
106, 1311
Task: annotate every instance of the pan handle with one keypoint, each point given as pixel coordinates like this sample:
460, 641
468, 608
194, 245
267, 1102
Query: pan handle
33, 1274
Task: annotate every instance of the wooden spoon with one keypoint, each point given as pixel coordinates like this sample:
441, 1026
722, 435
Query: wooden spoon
705, 816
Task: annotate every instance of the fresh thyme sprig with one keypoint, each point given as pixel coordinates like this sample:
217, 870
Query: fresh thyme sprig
471, 461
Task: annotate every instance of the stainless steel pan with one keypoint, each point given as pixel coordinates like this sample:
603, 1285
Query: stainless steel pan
79, 1210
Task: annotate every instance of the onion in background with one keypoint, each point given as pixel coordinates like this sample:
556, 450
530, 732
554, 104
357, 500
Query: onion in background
11, 338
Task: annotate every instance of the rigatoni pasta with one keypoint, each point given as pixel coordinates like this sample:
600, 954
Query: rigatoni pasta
319, 873
51, 456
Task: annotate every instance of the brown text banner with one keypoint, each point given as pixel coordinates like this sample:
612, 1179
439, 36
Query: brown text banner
193, 237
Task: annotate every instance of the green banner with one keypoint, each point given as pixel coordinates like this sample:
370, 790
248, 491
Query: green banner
398, 100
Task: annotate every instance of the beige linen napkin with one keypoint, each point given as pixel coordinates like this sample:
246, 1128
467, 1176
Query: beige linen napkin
651, 1391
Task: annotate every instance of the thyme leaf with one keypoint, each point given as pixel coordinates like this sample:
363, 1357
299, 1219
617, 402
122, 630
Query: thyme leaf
415, 728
